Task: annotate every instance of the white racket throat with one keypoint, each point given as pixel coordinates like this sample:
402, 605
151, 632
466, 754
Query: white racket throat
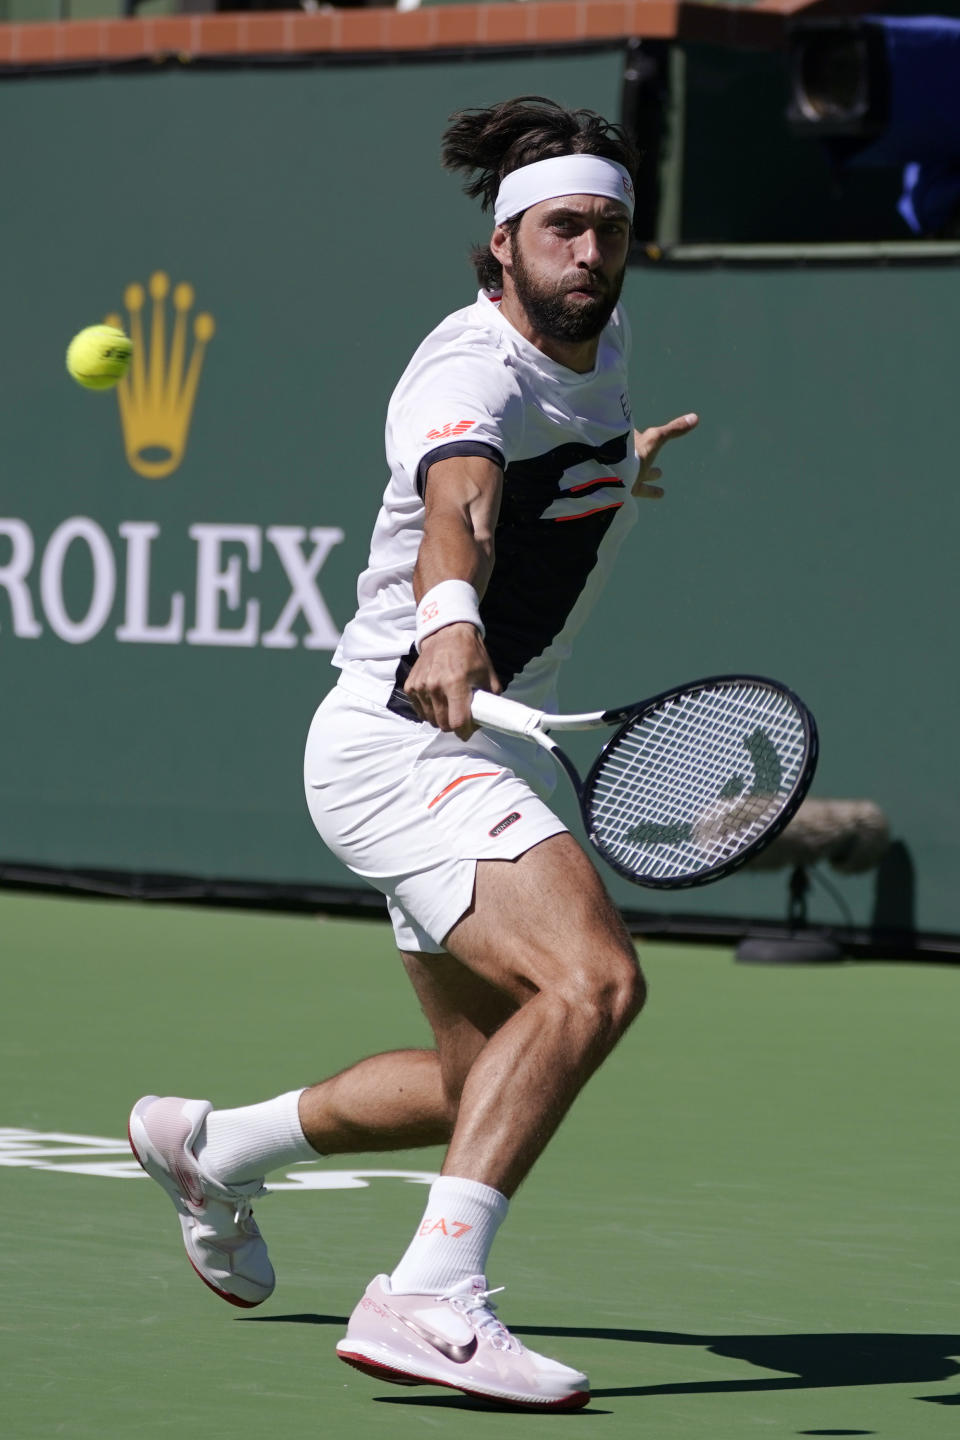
498, 713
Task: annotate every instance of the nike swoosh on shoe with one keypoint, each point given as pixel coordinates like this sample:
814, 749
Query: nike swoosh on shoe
459, 1354
189, 1187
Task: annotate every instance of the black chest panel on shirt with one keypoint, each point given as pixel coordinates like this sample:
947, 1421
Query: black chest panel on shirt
531, 486
541, 564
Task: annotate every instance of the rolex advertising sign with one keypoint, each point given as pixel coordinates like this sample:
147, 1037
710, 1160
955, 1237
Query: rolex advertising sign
156, 401
178, 555
154, 567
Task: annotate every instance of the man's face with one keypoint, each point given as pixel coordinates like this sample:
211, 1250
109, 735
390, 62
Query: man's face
567, 262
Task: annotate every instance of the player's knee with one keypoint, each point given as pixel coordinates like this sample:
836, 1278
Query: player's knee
632, 995
624, 995
607, 992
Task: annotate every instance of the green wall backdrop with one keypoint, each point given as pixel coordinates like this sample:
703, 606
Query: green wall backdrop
808, 532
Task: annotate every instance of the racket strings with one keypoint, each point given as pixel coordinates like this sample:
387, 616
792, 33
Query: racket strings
690, 785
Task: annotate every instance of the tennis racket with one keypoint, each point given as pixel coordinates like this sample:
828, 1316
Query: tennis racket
694, 781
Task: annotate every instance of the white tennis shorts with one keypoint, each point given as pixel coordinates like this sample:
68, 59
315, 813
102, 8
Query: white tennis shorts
413, 809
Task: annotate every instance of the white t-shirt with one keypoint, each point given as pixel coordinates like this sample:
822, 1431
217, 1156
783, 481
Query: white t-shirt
565, 444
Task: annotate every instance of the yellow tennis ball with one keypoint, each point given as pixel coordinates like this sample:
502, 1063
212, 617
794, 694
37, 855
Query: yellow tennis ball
99, 356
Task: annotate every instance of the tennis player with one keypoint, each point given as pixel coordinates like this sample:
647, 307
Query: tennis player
514, 469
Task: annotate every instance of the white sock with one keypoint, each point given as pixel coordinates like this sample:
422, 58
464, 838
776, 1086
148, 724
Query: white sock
247, 1143
453, 1240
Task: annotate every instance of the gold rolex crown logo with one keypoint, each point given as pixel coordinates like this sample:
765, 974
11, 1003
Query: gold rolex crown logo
156, 396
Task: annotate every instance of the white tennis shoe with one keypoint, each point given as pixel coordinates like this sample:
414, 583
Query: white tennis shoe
220, 1235
454, 1339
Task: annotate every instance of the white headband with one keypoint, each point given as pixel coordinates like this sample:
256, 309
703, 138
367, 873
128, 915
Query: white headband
563, 175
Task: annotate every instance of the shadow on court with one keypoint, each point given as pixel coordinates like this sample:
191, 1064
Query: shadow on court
810, 1362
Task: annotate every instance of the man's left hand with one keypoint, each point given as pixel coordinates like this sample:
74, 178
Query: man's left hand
648, 443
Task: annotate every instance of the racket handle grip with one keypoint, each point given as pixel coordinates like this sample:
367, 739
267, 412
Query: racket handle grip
499, 713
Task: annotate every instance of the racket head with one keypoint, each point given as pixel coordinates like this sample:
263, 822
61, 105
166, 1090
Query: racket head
699, 779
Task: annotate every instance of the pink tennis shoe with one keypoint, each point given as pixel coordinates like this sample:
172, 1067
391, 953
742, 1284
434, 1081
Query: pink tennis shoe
454, 1339
220, 1235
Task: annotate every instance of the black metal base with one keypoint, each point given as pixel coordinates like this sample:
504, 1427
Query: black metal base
790, 950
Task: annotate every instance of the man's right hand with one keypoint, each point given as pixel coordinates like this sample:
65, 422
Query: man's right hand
453, 662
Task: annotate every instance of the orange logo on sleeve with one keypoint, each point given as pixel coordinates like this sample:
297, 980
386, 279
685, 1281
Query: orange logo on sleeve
451, 430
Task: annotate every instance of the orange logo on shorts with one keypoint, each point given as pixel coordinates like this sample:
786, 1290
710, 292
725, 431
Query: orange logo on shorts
480, 775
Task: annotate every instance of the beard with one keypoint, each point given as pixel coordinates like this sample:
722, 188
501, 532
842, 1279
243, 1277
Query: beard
559, 314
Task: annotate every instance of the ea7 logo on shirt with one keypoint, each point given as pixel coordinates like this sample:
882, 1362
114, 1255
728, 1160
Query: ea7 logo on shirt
451, 430
504, 824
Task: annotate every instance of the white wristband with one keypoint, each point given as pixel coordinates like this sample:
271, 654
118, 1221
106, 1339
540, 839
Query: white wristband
446, 604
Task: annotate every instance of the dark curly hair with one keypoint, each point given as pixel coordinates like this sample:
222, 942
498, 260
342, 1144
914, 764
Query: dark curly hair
501, 138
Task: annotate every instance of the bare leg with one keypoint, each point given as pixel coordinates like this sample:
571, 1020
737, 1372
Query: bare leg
540, 983
387, 1102
544, 930
407, 1098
